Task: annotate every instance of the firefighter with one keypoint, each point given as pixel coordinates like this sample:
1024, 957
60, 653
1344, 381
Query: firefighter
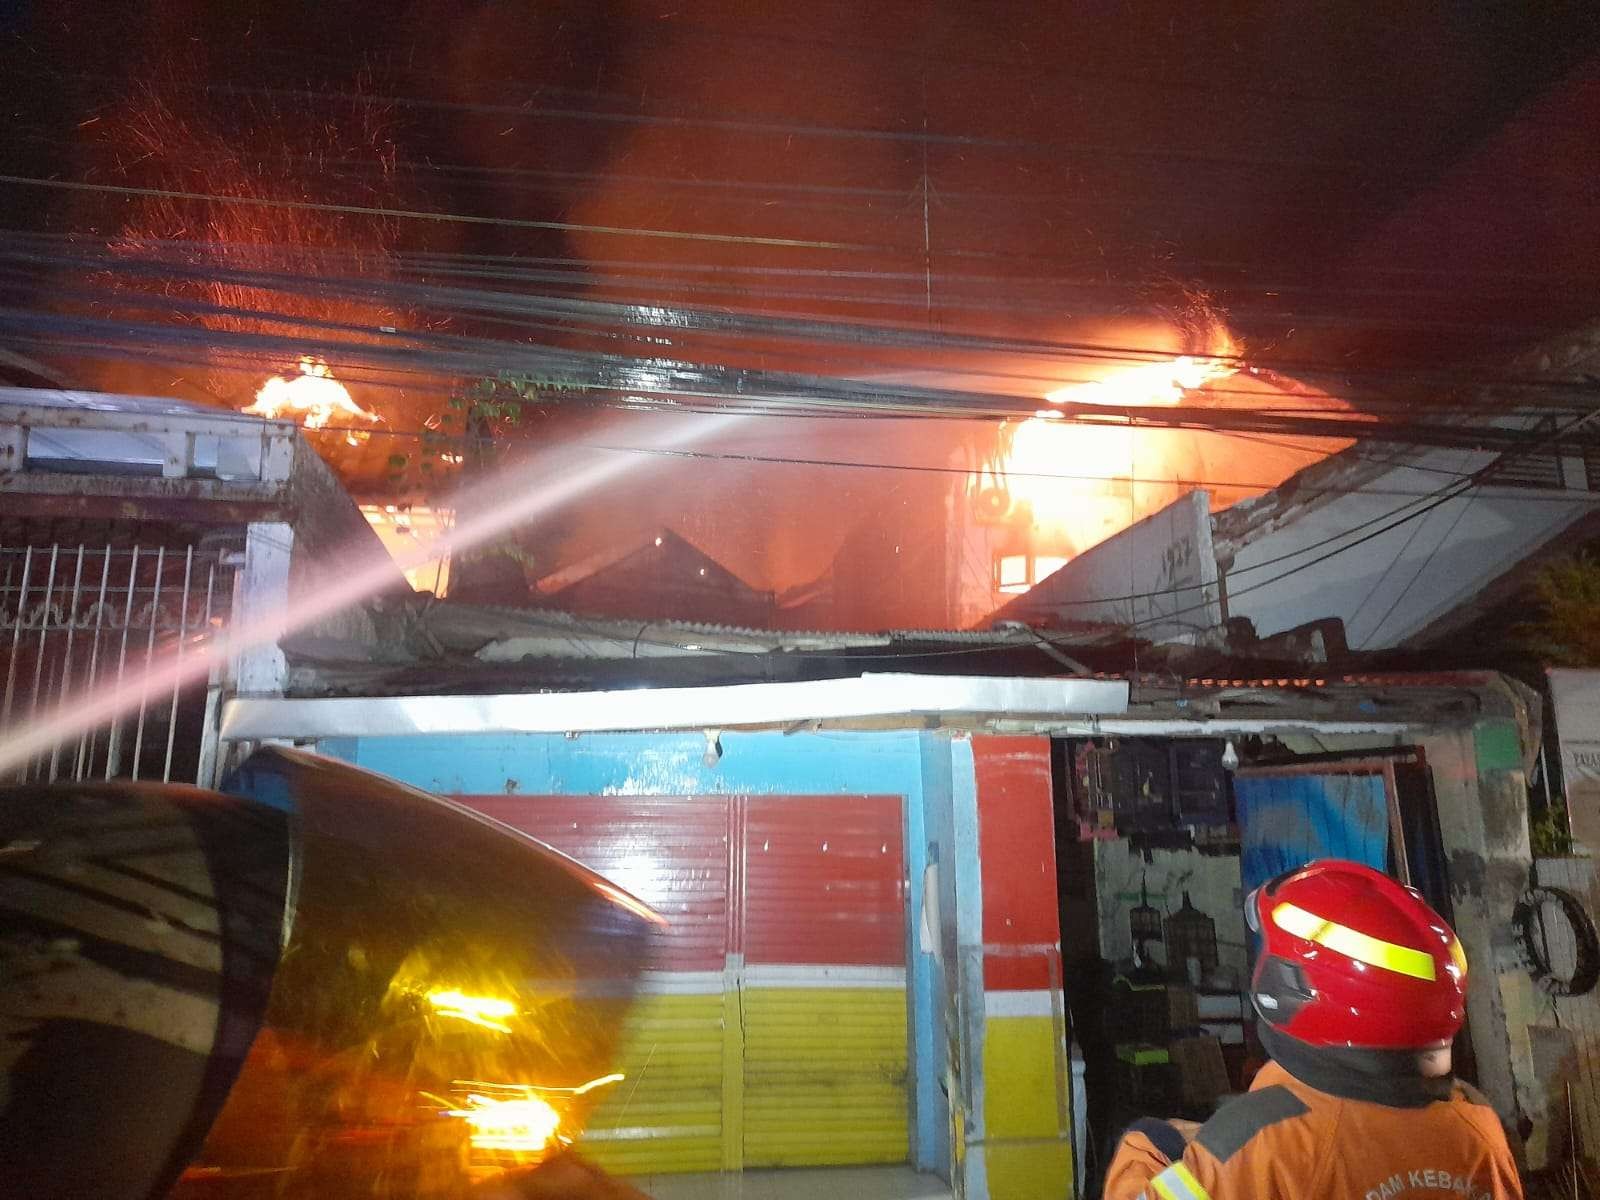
1359, 988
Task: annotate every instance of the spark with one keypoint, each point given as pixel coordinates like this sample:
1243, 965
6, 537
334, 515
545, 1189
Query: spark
583, 1089
516, 1117
1157, 384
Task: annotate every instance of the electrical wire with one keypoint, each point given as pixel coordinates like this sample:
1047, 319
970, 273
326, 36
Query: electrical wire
703, 322
588, 272
1471, 483
365, 210
668, 379
1412, 582
818, 197
669, 382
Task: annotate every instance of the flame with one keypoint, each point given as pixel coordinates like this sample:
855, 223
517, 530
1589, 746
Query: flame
1077, 477
314, 396
1153, 384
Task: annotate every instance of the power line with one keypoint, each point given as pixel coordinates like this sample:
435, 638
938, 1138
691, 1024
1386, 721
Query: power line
682, 321
815, 197
512, 267
1412, 582
428, 215
442, 217
668, 381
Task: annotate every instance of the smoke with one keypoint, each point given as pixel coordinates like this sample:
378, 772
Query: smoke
742, 123
936, 167
249, 160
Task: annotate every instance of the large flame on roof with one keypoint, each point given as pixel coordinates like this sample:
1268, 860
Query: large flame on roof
1081, 478
314, 396
1156, 383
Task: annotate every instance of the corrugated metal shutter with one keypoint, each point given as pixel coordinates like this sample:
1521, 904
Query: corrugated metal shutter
824, 981
673, 853
798, 1056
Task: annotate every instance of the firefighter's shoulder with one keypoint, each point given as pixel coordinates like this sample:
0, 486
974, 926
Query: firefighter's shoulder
1206, 1171
1244, 1118
1480, 1113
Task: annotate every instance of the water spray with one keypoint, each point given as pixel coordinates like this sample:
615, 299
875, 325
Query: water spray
501, 501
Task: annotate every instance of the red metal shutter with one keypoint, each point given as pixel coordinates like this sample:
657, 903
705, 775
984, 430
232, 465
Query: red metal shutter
672, 852
824, 1002
797, 1056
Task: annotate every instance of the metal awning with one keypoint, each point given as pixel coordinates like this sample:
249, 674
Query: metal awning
914, 699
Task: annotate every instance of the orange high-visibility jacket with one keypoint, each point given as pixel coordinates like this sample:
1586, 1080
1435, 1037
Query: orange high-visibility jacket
1284, 1140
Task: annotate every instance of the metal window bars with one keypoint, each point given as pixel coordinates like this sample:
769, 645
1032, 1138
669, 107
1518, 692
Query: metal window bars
78, 619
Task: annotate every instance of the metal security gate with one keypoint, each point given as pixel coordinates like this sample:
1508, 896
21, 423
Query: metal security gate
81, 620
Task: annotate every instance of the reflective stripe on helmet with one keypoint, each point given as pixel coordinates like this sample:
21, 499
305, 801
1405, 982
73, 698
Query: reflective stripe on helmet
1458, 955
1177, 1182
1352, 943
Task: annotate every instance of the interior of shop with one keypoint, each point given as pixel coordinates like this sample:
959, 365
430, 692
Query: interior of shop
1159, 841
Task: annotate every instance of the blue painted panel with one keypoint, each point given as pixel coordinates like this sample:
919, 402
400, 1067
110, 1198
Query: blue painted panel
1289, 820
936, 976
674, 764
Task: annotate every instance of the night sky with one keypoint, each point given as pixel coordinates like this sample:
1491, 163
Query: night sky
1337, 177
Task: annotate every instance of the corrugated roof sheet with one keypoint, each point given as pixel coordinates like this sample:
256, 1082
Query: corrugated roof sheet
505, 624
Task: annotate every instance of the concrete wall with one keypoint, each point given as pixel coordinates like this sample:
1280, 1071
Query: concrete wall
1389, 588
1482, 801
1565, 1035
1159, 574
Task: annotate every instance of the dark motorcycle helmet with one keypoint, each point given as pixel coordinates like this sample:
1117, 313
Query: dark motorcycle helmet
324, 984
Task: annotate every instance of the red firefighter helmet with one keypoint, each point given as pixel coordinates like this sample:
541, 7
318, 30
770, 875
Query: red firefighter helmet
1352, 958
